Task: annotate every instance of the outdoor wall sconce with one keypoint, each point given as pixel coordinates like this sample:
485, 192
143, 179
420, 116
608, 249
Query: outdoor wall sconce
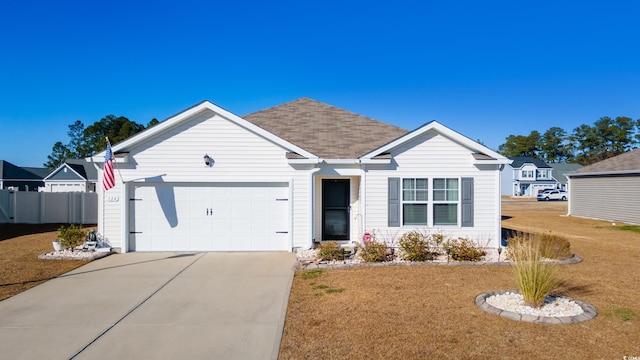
208, 160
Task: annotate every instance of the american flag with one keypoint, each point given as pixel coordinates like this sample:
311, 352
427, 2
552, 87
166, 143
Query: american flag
108, 177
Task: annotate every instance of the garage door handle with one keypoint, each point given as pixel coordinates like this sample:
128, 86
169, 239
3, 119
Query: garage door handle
282, 232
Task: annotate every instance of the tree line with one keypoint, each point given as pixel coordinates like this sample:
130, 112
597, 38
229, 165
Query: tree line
586, 145
86, 141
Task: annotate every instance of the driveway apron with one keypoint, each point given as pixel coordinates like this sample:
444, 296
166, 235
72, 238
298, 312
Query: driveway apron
154, 306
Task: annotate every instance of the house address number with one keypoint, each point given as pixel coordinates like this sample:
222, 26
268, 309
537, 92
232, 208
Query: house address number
113, 198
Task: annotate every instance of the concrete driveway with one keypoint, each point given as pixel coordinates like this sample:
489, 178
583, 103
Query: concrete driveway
154, 306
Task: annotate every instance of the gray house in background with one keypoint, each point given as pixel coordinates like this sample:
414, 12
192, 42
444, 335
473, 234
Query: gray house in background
560, 171
526, 176
21, 178
75, 175
607, 190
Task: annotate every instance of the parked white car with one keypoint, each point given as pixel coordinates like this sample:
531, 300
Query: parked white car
552, 194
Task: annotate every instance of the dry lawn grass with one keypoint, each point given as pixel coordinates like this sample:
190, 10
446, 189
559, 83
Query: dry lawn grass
420, 312
20, 268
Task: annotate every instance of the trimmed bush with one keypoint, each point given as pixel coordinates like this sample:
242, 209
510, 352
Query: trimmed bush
329, 250
373, 251
536, 279
463, 249
419, 247
71, 235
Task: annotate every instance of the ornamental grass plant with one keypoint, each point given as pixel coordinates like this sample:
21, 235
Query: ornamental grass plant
537, 278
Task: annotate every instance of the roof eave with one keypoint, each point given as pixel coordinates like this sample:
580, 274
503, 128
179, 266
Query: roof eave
375, 161
599, 173
492, 162
311, 161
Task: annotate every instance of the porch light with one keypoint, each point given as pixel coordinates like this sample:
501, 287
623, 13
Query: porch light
208, 161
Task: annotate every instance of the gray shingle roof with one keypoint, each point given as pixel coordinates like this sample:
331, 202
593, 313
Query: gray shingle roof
324, 130
559, 170
84, 168
13, 172
518, 161
629, 161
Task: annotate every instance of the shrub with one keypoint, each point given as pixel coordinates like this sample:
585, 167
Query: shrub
419, 247
373, 251
463, 249
71, 235
329, 250
554, 246
550, 246
536, 279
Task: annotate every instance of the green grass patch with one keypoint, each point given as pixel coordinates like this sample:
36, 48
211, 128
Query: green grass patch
623, 314
632, 228
311, 274
321, 287
332, 291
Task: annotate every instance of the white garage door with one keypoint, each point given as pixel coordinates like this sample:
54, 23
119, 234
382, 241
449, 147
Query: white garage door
212, 217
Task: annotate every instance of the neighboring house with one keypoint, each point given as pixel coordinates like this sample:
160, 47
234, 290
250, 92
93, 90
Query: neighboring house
72, 176
526, 176
283, 178
607, 190
560, 171
13, 177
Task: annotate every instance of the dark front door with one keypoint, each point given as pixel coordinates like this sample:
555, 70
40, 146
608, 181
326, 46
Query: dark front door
335, 209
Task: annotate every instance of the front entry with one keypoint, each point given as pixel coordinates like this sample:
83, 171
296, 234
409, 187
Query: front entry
335, 209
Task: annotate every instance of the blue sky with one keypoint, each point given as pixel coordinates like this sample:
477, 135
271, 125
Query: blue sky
484, 69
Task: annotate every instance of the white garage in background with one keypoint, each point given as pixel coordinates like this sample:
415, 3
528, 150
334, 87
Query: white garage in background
209, 217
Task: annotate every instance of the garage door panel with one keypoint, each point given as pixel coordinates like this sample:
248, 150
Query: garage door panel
211, 217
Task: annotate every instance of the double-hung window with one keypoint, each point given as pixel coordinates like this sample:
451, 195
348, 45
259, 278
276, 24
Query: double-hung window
415, 196
445, 201
527, 174
542, 174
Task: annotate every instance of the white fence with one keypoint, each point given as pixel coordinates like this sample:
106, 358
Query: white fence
30, 207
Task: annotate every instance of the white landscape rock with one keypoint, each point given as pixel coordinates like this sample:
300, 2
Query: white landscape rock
554, 306
74, 255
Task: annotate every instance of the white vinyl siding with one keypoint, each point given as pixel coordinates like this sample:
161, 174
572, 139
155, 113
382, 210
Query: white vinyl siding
435, 156
176, 156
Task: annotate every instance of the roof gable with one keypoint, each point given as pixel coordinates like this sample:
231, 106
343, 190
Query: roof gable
77, 169
67, 172
479, 152
324, 130
189, 114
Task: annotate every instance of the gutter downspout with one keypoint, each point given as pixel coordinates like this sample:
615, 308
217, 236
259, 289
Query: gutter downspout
363, 202
500, 205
